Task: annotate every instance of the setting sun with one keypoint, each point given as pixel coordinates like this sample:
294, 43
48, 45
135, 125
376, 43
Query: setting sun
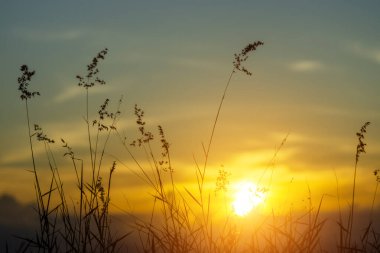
246, 197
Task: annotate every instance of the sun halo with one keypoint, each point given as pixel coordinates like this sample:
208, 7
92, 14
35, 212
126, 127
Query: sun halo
246, 197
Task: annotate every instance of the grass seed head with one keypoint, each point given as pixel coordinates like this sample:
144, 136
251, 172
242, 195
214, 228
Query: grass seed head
360, 148
41, 136
243, 56
23, 81
91, 78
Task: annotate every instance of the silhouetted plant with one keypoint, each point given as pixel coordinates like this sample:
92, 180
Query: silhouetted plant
63, 227
91, 78
181, 219
222, 181
43, 237
237, 65
243, 56
146, 136
178, 231
360, 149
23, 82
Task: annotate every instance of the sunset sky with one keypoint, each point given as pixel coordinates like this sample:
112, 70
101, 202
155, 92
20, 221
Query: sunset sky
316, 80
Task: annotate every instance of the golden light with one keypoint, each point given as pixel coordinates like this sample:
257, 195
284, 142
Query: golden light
246, 197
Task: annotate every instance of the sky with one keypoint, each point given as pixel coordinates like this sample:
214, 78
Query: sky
315, 82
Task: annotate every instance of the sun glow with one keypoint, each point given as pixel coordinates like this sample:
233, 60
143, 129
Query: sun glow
246, 197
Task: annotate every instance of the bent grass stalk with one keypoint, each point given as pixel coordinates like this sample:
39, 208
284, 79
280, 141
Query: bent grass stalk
237, 66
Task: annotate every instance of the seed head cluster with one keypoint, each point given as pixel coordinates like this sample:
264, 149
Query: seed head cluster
223, 180
360, 148
165, 150
92, 72
105, 114
376, 173
146, 136
41, 136
23, 82
243, 56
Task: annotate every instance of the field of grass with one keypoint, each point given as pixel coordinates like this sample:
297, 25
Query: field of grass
182, 219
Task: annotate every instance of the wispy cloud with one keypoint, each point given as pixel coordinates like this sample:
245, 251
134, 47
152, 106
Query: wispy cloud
48, 35
305, 66
76, 91
372, 54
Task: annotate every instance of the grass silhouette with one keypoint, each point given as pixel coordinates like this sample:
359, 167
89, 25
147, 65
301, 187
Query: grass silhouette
182, 218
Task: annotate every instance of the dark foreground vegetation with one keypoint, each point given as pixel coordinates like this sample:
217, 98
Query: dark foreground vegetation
181, 220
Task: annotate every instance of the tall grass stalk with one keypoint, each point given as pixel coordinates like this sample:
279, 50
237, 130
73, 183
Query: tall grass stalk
42, 207
360, 149
237, 66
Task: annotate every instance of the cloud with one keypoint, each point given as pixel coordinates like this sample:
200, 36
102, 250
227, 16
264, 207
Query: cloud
48, 35
372, 54
76, 91
305, 66
68, 93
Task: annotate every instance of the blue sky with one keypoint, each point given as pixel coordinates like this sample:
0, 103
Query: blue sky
316, 78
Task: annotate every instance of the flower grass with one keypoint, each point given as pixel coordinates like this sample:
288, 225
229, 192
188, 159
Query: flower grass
182, 219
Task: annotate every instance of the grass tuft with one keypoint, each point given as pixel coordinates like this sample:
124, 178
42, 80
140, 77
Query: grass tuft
182, 219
